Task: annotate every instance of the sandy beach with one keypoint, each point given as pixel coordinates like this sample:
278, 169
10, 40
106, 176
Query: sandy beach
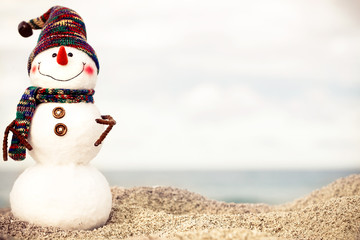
144, 213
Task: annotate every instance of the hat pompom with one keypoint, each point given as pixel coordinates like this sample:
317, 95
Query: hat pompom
25, 29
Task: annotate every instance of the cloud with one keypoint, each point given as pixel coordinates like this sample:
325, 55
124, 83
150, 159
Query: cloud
208, 102
215, 126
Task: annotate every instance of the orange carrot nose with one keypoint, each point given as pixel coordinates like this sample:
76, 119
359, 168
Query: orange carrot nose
62, 58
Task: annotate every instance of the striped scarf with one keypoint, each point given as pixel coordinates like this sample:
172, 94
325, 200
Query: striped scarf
32, 97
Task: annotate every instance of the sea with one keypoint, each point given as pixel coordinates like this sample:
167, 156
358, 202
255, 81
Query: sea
265, 186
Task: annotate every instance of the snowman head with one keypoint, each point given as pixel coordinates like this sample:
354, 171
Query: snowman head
63, 67
62, 57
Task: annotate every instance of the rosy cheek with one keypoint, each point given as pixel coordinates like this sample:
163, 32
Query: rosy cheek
89, 70
33, 69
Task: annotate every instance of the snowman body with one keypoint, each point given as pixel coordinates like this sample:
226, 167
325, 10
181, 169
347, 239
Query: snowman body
63, 189
79, 129
69, 196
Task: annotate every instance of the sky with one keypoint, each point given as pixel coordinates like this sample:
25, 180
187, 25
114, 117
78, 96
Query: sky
211, 84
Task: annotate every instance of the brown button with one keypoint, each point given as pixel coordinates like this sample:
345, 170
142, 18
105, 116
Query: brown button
60, 129
58, 112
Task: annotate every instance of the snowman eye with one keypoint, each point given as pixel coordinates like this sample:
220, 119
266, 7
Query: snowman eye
70, 54
54, 55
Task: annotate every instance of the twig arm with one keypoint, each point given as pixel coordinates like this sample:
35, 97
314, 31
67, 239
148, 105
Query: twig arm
105, 120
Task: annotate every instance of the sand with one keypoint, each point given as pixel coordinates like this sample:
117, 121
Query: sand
145, 213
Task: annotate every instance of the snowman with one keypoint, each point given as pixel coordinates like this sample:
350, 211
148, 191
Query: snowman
59, 124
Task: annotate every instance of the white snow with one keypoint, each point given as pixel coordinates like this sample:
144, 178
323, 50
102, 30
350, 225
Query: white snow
77, 145
67, 196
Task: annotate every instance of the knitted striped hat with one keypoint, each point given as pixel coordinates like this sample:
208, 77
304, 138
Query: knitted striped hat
60, 26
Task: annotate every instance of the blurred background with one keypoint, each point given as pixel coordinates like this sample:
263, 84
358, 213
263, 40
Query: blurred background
255, 101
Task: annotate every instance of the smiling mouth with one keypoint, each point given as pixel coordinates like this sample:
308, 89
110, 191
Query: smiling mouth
61, 80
